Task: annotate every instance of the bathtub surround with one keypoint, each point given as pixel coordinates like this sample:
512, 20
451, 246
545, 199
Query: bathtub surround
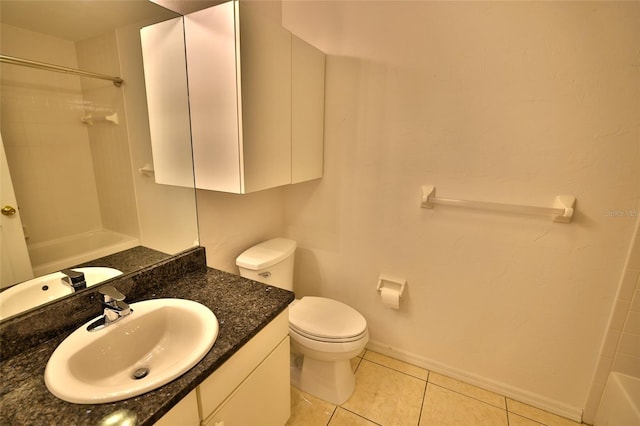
45, 142
53, 255
242, 307
511, 102
620, 349
620, 404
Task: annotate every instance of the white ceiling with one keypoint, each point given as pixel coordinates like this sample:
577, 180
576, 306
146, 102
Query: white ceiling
78, 19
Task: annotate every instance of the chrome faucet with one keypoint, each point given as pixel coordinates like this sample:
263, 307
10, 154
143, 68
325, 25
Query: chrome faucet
114, 307
74, 279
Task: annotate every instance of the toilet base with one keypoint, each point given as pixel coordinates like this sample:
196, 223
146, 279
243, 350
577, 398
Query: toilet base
332, 381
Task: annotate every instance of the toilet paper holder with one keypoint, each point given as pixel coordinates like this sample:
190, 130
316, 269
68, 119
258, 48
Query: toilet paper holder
390, 282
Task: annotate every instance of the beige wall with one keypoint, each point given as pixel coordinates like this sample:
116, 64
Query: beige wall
513, 102
230, 223
500, 101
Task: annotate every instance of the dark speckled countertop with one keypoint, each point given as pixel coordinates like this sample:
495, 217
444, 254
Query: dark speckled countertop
243, 308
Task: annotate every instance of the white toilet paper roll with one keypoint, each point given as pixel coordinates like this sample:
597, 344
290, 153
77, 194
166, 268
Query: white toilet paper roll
390, 297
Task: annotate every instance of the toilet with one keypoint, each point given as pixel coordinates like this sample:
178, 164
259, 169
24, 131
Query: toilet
325, 334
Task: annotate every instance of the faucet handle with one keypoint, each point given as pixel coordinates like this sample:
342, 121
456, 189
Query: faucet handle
111, 293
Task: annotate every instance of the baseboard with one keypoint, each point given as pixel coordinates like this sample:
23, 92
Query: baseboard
530, 398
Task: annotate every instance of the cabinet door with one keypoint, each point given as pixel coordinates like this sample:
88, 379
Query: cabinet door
264, 398
185, 413
167, 100
210, 38
226, 379
307, 111
265, 69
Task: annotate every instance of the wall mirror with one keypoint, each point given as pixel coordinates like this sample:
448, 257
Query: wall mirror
77, 178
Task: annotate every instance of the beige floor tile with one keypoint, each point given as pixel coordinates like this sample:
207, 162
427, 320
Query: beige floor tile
307, 410
469, 390
443, 407
401, 366
516, 420
386, 396
538, 415
343, 417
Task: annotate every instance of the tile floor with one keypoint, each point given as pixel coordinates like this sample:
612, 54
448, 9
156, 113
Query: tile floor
390, 392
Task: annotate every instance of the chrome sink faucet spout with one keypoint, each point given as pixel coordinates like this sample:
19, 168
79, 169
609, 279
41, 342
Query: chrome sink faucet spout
114, 307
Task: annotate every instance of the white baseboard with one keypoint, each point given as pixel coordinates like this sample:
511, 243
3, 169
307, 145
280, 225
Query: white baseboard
530, 398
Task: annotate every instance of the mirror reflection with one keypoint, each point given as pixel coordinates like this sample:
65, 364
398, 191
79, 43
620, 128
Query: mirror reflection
77, 180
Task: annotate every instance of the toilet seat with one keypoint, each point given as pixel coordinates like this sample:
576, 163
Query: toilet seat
326, 339
326, 320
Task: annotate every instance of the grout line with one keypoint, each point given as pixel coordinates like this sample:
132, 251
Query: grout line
332, 414
393, 369
471, 397
424, 399
506, 407
362, 417
358, 365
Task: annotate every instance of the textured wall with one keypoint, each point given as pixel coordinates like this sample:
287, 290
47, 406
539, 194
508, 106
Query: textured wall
514, 102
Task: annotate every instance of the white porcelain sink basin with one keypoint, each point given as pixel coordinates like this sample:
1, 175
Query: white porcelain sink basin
95, 274
160, 340
38, 291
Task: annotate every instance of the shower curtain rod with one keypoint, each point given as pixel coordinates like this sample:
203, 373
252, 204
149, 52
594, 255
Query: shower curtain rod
117, 81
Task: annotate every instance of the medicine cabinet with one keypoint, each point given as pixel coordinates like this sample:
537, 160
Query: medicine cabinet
255, 98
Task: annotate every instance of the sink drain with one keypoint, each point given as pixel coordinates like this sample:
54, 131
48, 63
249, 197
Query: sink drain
140, 373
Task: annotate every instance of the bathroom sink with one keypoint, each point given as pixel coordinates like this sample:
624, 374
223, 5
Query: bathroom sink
95, 274
38, 291
158, 342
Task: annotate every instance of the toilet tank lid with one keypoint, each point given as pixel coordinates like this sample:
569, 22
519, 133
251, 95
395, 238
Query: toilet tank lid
266, 254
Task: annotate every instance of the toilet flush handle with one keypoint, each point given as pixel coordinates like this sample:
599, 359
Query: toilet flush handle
265, 274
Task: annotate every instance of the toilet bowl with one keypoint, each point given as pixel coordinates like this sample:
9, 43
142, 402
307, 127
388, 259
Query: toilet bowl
325, 334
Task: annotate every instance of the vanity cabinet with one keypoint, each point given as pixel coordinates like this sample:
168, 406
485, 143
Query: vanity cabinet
256, 98
251, 388
185, 413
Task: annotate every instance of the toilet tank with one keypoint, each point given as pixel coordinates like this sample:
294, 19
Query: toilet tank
270, 262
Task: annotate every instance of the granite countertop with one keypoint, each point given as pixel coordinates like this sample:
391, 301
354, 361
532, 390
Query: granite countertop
129, 260
243, 308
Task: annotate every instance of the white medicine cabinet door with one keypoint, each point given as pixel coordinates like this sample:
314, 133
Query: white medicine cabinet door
167, 101
239, 71
307, 111
251, 100
254, 124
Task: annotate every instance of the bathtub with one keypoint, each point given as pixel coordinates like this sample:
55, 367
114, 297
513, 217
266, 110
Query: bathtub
51, 256
620, 403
